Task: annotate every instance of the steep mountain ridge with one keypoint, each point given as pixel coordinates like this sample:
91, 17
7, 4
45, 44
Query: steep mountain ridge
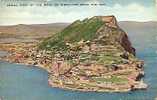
96, 28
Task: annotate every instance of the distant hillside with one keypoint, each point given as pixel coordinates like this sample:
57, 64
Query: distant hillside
145, 32
138, 27
31, 30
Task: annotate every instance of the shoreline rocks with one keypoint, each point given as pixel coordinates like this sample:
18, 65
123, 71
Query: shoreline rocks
140, 85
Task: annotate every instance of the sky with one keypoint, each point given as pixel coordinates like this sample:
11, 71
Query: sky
124, 10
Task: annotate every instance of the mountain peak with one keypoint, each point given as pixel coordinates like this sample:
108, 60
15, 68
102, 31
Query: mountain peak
110, 21
99, 29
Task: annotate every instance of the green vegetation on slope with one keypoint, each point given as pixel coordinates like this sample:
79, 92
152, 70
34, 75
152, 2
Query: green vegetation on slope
112, 79
74, 33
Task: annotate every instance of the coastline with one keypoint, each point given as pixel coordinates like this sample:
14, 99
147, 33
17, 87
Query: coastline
139, 84
82, 90
75, 89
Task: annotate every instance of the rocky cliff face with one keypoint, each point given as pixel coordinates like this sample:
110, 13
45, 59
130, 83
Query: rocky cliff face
109, 21
110, 25
112, 29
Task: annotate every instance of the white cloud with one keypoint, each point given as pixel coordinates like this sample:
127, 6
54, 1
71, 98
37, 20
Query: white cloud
29, 15
134, 12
